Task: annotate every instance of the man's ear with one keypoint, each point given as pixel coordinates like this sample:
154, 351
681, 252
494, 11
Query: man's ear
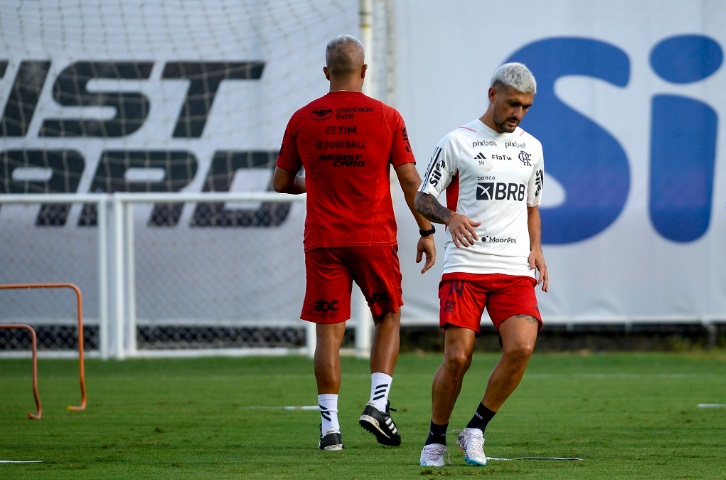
363, 70
326, 72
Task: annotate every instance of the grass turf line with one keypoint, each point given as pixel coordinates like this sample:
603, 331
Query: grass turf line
627, 415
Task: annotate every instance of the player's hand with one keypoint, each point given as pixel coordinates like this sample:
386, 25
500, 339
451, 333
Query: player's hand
427, 247
536, 260
463, 230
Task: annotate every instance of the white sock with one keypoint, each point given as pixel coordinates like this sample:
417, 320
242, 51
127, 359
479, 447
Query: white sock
380, 386
328, 403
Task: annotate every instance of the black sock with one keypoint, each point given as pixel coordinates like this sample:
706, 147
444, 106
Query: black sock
481, 418
437, 434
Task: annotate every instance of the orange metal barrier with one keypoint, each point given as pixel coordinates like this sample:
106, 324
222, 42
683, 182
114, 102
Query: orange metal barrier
35, 416
81, 368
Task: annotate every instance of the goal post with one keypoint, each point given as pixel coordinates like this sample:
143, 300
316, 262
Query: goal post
224, 290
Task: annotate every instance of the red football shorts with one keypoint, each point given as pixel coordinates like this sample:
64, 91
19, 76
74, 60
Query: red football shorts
330, 273
464, 296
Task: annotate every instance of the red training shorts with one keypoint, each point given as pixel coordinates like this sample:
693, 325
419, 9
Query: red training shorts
330, 273
464, 296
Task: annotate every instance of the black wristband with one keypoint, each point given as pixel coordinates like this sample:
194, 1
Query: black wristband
427, 233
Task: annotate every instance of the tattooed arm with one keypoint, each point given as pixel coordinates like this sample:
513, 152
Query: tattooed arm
428, 206
462, 228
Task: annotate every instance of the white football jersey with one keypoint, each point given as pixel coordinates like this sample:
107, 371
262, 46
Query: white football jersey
491, 178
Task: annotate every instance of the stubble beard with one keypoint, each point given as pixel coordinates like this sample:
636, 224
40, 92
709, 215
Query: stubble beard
502, 126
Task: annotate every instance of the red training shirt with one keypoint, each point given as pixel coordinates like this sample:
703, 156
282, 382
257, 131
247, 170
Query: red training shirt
346, 142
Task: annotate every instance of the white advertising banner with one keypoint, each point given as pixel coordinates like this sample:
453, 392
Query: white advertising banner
137, 96
628, 109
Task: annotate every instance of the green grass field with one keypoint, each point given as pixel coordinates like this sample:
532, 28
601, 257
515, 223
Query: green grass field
633, 416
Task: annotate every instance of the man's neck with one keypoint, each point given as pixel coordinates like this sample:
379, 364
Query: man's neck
345, 88
489, 122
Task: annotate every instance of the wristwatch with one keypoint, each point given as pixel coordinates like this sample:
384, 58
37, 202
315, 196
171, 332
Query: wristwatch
427, 233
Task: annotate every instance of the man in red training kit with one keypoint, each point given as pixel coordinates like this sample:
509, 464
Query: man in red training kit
346, 142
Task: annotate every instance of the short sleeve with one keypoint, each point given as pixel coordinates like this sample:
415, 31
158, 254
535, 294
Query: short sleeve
440, 171
401, 151
536, 183
289, 157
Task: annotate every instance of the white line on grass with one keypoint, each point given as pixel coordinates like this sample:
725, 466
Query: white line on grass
21, 461
285, 407
623, 375
532, 458
712, 405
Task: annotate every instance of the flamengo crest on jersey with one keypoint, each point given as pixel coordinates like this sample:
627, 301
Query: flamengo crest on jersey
491, 178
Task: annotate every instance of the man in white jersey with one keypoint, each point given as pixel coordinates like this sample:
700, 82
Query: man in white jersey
492, 172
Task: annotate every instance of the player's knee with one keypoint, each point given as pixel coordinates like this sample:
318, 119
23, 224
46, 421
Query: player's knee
519, 352
457, 363
388, 319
